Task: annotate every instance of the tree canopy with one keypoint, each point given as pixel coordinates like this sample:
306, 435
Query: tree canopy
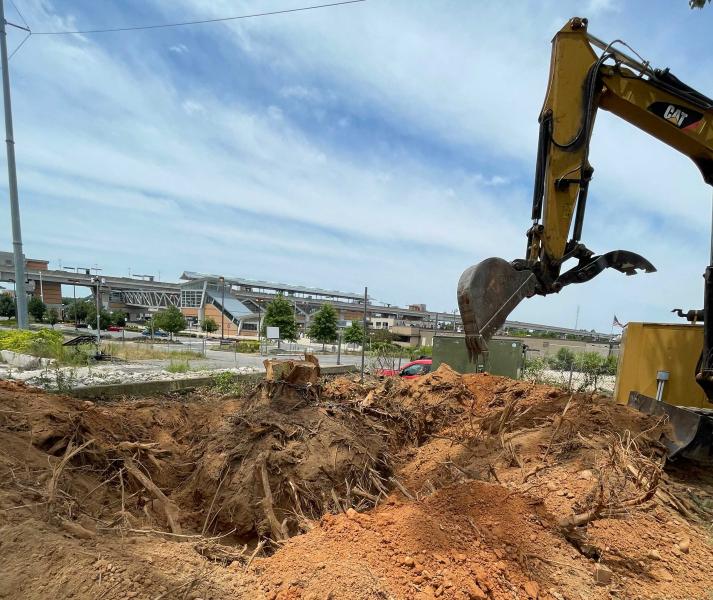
52, 317
281, 313
7, 305
354, 334
78, 310
170, 319
209, 325
323, 327
118, 318
36, 308
104, 317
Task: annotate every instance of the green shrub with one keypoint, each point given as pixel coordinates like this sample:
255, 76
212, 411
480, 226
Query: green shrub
415, 351
45, 343
564, 360
248, 346
224, 382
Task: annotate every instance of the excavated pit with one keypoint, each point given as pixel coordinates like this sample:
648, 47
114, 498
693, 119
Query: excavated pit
447, 486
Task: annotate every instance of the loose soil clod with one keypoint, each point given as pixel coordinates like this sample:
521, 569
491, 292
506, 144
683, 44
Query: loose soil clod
447, 486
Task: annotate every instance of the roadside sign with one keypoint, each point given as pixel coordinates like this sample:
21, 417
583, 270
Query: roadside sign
273, 333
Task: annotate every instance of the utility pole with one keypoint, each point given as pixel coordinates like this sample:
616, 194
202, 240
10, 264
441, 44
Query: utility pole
363, 342
576, 320
222, 313
19, 258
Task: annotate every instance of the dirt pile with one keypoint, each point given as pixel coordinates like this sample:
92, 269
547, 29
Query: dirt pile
446, 486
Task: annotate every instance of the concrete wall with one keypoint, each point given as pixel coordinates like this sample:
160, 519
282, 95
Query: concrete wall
549, 347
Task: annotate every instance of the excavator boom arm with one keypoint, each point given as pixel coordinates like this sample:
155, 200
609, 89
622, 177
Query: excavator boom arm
581, 81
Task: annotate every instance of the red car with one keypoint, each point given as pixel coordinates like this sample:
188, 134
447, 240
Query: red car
114, 328
414, 369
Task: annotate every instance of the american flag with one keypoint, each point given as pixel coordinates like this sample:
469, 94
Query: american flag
617, 323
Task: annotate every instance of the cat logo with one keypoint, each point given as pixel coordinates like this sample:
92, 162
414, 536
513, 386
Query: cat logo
675, 115
679, 116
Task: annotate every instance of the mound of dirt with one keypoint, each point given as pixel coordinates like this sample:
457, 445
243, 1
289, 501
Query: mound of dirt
445, 486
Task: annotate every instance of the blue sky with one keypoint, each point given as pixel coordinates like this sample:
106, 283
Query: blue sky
389, 143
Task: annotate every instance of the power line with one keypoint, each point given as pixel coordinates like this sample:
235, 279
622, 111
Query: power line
27, 37
201, 22
19, 13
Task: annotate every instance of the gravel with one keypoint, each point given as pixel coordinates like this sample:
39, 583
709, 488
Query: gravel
77, 377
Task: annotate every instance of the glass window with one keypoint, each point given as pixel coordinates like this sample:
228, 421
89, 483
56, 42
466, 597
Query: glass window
416, 370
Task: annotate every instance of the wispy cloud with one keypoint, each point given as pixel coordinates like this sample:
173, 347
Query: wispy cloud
389, 144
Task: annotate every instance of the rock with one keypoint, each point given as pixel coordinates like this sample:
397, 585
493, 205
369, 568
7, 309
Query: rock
24, 361
552, 486
602, 574
586, 474
352, 514
474, 592
481, 576
460, 557
408, 562
654, 554
685, 545
532, 589
77, 530
662, 574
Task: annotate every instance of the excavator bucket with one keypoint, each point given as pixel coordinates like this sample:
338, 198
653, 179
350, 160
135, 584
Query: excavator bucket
691, 431
487, 293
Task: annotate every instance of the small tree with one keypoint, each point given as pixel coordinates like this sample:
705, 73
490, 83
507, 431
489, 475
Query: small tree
323, 327
564, 360
77, 310
118, 318
280, 313
7, 306
354, 334
104, 317
36, 308
377, 336
171, 320
52, 317
209, 325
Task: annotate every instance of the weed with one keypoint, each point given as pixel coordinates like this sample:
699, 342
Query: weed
178, 366
65, 380
229, 383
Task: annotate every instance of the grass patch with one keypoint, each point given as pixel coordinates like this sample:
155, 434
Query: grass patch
178, 366
131, 351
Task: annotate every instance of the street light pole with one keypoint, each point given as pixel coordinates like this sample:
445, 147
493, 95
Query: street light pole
20, 294
222, 312
98, 281
363, 342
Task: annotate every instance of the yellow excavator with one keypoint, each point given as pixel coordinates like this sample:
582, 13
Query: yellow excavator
581, 81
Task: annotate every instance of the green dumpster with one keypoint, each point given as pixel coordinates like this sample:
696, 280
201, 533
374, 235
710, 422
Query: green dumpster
505, 357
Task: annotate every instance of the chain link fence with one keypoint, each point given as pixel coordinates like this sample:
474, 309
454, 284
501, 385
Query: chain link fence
574, 371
